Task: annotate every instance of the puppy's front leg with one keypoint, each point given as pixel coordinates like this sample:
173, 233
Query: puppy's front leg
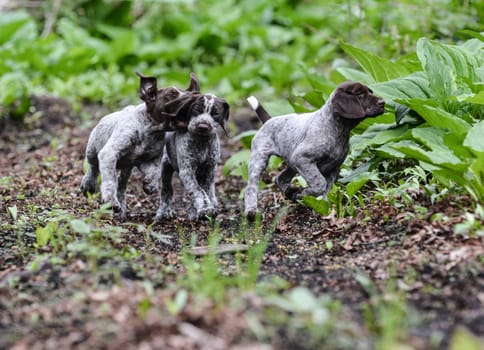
151, 175
199, 197
109, 182
207, 182
317, 184
164, 211
123, 178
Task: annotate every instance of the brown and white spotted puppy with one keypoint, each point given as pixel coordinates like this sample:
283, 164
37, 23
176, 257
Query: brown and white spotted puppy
313, 145
194, 153
134, 137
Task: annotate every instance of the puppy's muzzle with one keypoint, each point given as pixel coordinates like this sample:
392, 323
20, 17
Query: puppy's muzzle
203, 128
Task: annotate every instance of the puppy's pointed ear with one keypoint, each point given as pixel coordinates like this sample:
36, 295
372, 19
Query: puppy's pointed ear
194, 83
147, 88
345, 103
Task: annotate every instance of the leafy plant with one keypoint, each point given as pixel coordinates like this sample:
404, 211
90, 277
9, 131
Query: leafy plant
438, 108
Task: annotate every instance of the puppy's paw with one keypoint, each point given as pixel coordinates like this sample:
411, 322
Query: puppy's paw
87, 186
203, 214
115, 204
163, 215
150, 187
253, 214
293, 193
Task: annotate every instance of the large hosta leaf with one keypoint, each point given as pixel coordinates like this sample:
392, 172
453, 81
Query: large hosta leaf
380, 69
415, 85
450, 69
437, 117
475, 138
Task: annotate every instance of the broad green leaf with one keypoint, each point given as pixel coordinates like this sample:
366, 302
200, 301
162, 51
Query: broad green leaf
314, 98
415, 85
449, 68
317, 81
378, 68
318, 204
455, 142
358, 182
80, 226
378, 134
475, 137
437, 117
477, 98
237, 164
440, 155
433, 138
246, 138
355, 75
11, 22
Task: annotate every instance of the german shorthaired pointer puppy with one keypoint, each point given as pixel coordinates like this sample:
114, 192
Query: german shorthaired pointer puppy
134, 137
193, 153
313, 145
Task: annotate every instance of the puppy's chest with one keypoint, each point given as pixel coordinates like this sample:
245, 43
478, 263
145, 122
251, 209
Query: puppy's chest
197, 150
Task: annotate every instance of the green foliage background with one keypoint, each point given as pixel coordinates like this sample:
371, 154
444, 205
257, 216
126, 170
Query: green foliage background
236, 47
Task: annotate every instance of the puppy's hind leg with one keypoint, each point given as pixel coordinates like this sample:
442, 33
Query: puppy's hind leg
257, 164
165, 211
283, 181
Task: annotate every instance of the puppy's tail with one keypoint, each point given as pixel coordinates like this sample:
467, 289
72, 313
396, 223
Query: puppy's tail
259, 110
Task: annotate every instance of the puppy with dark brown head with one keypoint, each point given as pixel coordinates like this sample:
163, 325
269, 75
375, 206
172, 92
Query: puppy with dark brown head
313, 145
134, 137
193, 152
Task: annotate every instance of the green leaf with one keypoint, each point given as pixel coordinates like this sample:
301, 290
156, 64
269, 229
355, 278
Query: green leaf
237, 164
80, 226
13, 212
355, 75
463, 339
318, 204
246, 138
433, 138
11, 22
378, 68
475, 137
436, 116
358, 182
450, 69
477, 98
416, 85
378, 134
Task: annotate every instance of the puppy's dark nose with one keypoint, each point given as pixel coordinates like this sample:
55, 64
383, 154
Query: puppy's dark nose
380, 103
204, 127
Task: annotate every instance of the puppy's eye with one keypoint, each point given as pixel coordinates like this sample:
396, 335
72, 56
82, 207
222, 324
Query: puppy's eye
197, 108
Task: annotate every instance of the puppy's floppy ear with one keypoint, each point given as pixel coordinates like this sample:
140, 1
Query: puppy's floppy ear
179, 110
225, 116
147, 88
194, 84
345, 101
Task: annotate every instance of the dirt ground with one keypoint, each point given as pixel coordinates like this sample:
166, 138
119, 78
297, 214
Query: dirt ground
67, 305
